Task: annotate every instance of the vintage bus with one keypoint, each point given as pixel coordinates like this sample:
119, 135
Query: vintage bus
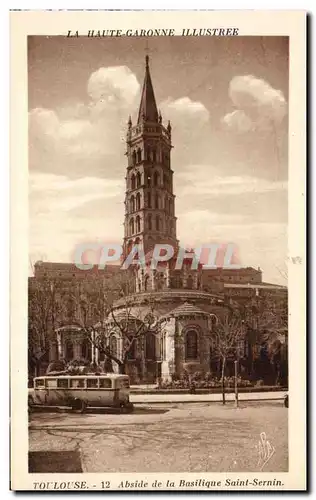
81, 391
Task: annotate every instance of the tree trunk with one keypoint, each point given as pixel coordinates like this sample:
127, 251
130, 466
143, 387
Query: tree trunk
111, 357
122, 368
223, 378
107, 365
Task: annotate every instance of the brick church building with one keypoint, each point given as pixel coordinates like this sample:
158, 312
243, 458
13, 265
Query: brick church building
188, 302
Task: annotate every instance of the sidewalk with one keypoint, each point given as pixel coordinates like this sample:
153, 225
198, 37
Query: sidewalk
205, 398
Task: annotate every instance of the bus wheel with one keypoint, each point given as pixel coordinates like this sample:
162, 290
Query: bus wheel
79, 406
30, 405
129, 408
126, 408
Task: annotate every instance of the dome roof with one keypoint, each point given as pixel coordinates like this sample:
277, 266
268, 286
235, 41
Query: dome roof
121, 315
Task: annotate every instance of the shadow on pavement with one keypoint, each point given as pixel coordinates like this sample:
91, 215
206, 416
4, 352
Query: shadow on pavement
138, 410
55, 461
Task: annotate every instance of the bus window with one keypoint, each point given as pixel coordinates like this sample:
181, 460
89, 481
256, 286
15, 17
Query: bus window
40, 382
105, 383
62, 383
77, 383
51, 383
92, 383
124, 382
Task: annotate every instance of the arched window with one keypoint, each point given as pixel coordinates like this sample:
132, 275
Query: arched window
114, 346
150, 242
85, 349
138, 180
166, 204
132, 204
166, 159
149, 200
131, 353
149, 220
129, 246
148, 154
191, 345
137, 224
165, 180
156, 179
133, 181
134, 158
160, 281
148, 180
156, 200
157, 223
190, 282
214, 320
154, 155
150, 346
131, 227
71, 309
146, 283
69, 350
139, 155
138, 201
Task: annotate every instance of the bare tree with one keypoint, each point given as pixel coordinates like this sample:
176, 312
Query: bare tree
226, 335
113, 321
266, 321
44, 312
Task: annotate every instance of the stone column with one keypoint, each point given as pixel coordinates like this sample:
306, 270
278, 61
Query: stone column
153, 287
195, 280
184, 277
168, 276
60, 350
93, 348
168, 363
96, 355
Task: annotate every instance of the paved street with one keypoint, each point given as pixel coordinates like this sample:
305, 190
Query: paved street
167, 438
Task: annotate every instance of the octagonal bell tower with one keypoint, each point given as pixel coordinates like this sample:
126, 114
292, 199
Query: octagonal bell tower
149, 200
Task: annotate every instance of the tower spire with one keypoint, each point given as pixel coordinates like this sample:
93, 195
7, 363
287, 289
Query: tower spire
148, 108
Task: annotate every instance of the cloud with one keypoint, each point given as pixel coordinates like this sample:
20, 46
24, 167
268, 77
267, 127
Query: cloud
238, 120
185, 107
53, 230
75, 138
50, 193
113, 86
256, 243
259, 105
190, 121
204, 180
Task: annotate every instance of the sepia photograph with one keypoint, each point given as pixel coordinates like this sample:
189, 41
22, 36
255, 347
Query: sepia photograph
171, 156
157, 296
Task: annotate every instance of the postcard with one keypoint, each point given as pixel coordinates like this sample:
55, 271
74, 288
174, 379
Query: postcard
158, 250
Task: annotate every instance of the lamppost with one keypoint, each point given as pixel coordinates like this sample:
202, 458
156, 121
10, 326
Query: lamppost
236, 383
52, 290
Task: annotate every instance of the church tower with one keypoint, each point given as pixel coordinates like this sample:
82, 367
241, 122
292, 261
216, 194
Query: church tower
149, 200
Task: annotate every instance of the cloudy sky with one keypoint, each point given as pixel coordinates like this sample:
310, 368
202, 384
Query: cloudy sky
226, 99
